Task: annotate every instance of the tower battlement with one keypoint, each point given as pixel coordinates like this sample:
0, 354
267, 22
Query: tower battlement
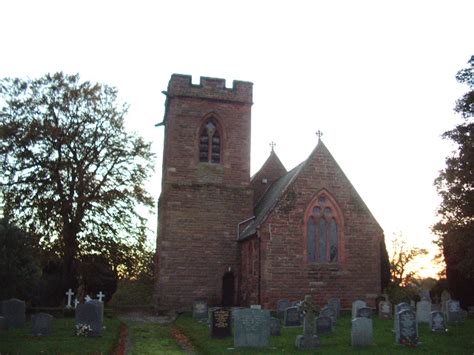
210, 88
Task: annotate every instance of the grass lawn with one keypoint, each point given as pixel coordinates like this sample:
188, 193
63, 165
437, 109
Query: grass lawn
458, 340
150, 338
62, 341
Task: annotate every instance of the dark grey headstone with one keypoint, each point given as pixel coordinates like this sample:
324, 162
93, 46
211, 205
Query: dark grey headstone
323, 325
90, 313
3, 325
292, 317
423, 311
14, 312
309, 339
221, 323
275, 326
281, 306
41, 324
329, 312
336, 304
437, 323
425, 295
362, 333
200, 309
364, 312
453, 311
251, 328
407, 332
385, 310
356, 305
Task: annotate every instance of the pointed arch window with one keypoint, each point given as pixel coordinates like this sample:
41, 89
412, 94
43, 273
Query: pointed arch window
210, 142
323, 224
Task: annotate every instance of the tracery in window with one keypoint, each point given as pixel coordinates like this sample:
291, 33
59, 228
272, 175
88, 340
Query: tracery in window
210, 143
323, 228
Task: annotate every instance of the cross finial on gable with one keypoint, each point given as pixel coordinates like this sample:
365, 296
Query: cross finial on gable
319, 134
272, 144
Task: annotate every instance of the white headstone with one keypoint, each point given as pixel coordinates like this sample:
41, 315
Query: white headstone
423, 311
100, 295
362, 333
88, 298
356, 305
69, 295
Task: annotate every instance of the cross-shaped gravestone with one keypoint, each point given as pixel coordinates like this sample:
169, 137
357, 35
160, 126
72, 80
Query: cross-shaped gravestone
76, 302
87, 298
69, 295
309, 339
100, 295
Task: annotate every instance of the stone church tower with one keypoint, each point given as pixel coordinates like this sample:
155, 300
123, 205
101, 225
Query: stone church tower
206, 191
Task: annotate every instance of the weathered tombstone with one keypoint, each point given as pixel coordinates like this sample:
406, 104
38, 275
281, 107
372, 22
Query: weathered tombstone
323, 325
200, 309
275, 326
425, 295
69, 295
364, 312
3, 325
470, 312
14, 312
403, 306
90, 313
362, 333
41, 324
281, 306
329, 312
407, 332
453, 311
256, 306
221, 324
445, 297
309, 340
435, 307
336, 304
385, 310
291, 317
437, 323
423, 311
356, 305
251, 328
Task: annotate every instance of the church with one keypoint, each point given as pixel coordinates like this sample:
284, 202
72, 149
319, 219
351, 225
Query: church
235, 239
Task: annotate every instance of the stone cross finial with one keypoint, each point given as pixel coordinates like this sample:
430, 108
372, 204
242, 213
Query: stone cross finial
272, 144
69, 295
319, 134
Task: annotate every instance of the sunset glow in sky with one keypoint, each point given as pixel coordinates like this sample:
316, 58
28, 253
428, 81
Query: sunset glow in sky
376, 77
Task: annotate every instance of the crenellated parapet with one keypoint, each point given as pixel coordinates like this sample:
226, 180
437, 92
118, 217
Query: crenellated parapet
210, 88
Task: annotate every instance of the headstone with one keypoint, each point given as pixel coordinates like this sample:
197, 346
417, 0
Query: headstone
100, 295
435, 307
425, 295
281, 306
309, 339
251, 328
470, 312
385, 310
364, 312
437, 323
453, 311
407, 332
356, 305
445, 297
90, 313
362, 333
256, 306
336, 304
87, 298
329, 312
69, 295
291, 317
423, 311
221, 323
403, 306
275, 326
41, 324
200, 309
323, 325
14, 312
3, 325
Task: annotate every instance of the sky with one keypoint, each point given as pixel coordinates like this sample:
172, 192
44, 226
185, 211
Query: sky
376, 77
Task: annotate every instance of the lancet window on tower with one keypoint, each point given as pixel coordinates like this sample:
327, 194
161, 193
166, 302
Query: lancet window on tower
210, 142
323, 230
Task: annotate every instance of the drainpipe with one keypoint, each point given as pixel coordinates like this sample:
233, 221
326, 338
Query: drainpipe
259, 265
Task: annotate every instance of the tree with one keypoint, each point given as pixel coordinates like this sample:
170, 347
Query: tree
70, 171
455, 185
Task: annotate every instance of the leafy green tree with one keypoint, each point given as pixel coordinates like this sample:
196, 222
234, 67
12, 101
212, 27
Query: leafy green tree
70, 171
455, 185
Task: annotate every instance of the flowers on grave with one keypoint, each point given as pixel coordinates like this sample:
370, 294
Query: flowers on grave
83, 329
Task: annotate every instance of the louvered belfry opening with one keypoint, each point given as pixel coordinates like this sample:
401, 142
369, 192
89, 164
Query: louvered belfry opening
210, 143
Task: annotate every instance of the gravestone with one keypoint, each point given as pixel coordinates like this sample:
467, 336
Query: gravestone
323, 325
336, 304
281, 306
364, 312
91, 313
291, 317
14, 312
3, 325
41, 324
453, 311
256, 306
356, 305
425, 295
221, 324
423, 311
329, 312
275, 326
435, 307
362, 333
437, 323
251, 328
309, 340
403, 306
445, 297
385, 310
407, 332
200, 311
